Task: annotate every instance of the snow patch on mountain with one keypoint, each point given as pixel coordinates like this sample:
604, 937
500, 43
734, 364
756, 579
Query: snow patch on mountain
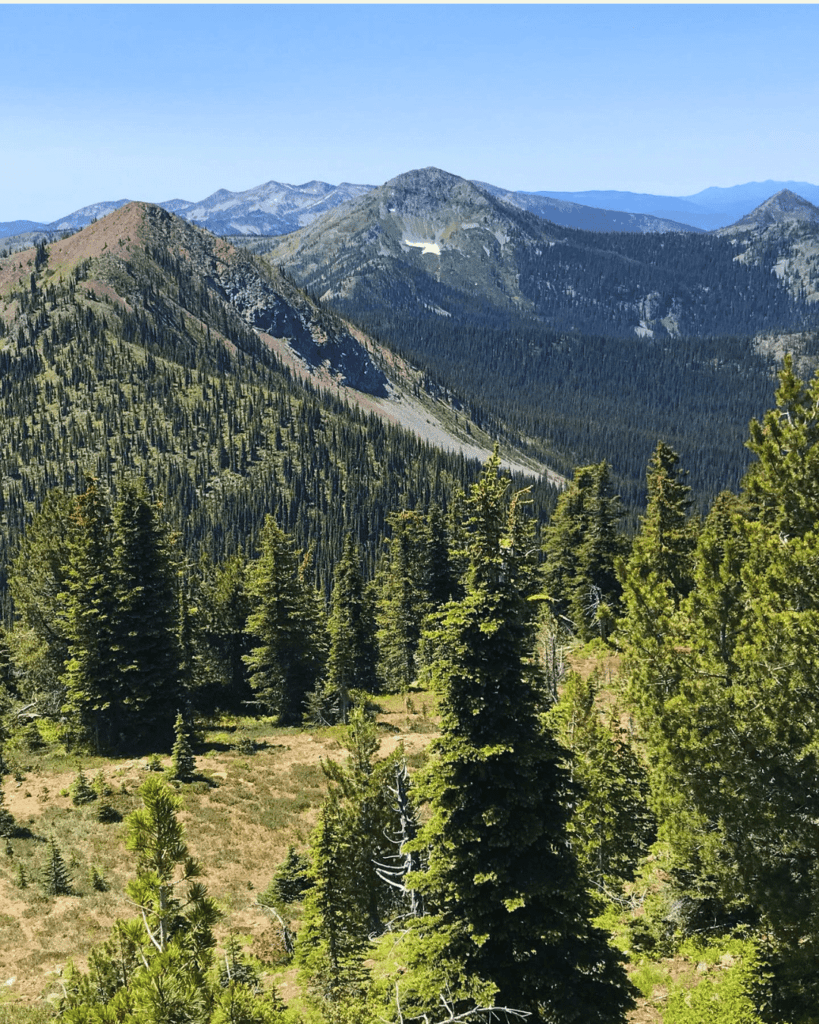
427, 248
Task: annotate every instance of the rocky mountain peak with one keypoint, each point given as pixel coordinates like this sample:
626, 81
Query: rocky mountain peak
786, 207
430, 187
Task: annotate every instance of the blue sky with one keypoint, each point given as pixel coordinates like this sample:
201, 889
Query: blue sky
158, 102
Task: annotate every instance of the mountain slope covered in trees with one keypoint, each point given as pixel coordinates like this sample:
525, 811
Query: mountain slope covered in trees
143, 346
584, 345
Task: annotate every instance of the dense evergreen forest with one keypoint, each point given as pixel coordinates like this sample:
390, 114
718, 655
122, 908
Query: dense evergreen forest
579, 345
672, 806
190, 534
175, 389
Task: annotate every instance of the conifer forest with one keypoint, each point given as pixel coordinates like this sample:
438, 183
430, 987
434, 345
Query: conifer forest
304, 720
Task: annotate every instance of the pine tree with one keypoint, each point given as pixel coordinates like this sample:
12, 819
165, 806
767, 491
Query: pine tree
183, 763
361, 784
332, 938
665, 543
291, 880
224, 608
398, 615
93, 697
38, 581
81, 791
351, 628
56, 879
656, 578
725, 693
612, 826
509, 908
289, 656
146, 641
581, 545
161, 965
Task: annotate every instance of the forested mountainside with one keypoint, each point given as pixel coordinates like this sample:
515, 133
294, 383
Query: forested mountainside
128, 352
587, 346
207, 558
635, 842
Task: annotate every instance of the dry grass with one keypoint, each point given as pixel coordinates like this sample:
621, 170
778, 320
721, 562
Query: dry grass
243, 811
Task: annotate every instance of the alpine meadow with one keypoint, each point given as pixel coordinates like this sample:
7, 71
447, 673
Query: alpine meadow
410, 611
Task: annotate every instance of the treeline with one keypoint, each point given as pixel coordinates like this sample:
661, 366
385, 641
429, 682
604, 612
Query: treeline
203, 413
116, 629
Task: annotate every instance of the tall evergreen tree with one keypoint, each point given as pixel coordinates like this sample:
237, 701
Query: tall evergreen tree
399, 615
38, 580
94, 698
290, 652
146, 640
224, 606
509, 907
351, 628
582, 545
612, 826
333, 936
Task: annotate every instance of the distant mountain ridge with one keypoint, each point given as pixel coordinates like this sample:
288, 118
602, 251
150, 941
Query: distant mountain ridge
584, 217
783, 208
269, 209
279, 209
708, 210
275, 208
429, 240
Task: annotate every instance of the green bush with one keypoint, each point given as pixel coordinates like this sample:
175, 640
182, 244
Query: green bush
80, 791
724, 995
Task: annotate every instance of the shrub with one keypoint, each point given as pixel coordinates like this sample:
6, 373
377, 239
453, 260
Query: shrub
80, 791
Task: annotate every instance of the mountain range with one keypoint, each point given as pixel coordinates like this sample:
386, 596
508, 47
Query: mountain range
581, 343
277, 209
438, 304
707, 210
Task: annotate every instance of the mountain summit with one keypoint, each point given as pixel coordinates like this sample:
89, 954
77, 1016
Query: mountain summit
423, 224
785, 207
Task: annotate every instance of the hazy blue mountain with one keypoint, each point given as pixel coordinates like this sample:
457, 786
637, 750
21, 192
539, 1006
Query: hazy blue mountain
584, 218
709, 209
18, 227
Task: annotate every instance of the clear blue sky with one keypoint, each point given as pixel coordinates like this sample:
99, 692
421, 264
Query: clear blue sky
159, 102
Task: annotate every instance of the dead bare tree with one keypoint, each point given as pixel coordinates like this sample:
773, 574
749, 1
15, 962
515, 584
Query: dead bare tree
403, 861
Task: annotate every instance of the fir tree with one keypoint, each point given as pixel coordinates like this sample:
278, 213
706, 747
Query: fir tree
289, 656
725, 693
291, 880
402, 603
612, 826
146, 641
93, 697
183, 763
56, 879
510, 914
333, 936
361, 784
581, 545
351, 628
38, 581
81, 791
